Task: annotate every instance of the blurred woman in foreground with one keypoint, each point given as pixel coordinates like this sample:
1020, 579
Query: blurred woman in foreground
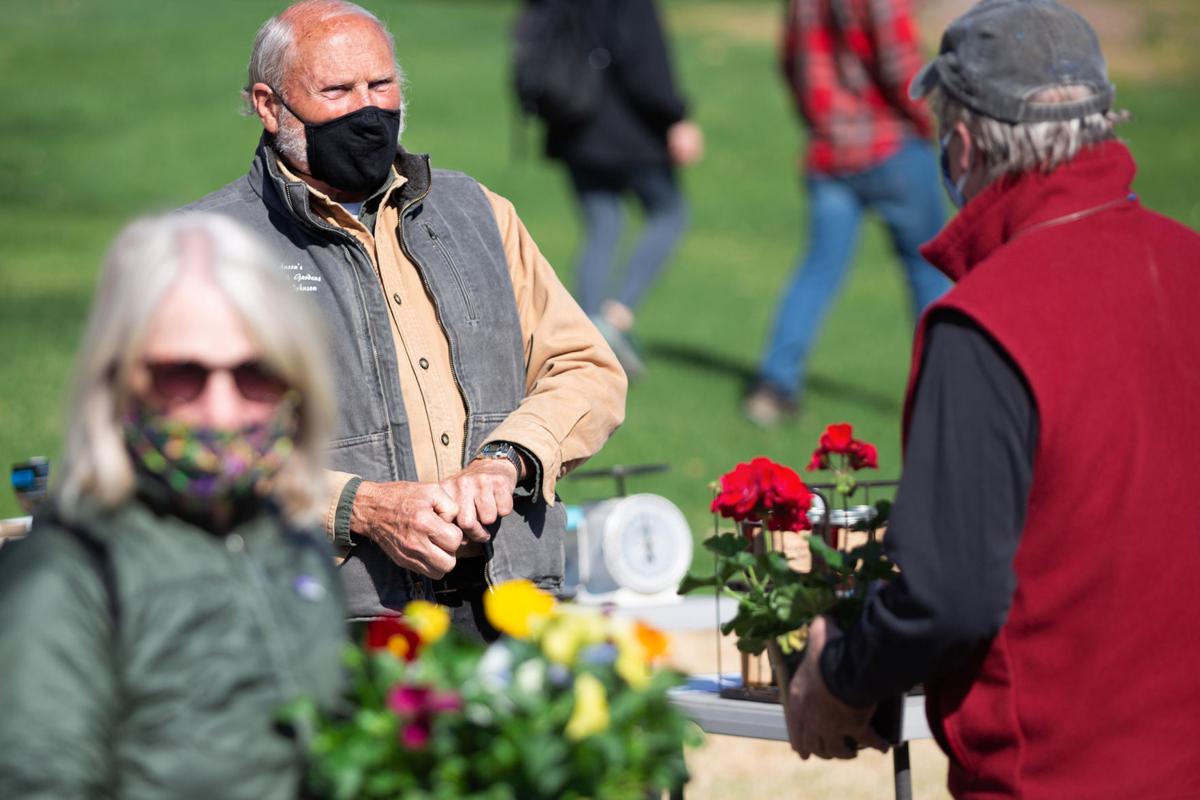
174, 596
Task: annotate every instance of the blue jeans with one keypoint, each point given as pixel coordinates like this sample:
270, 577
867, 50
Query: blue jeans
905, 192
599, 192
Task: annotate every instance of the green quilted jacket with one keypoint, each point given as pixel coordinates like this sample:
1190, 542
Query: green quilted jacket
144, 657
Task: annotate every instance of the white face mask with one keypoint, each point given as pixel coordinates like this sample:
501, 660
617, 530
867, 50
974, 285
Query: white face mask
953, 188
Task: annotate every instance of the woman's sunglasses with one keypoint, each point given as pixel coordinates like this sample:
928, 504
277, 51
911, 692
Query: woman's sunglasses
184, 381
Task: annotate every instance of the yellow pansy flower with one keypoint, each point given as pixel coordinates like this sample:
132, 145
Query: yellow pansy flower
564, 635
591, 709
630, 666
516, 607
429, 620
793, 642
631, 658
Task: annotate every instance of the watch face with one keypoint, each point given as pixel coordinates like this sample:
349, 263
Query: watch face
498, 450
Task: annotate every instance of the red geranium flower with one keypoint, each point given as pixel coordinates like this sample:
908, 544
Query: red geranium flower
416, 707
739, 494
765, 491
839, 439
863, 455
394, 634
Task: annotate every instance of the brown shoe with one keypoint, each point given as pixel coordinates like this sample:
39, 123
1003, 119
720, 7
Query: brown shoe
623, 348
766, 406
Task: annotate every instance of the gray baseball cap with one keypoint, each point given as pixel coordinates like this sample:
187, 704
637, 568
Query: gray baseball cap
1000, 53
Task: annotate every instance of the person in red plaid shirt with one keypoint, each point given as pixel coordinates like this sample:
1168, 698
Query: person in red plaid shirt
848, 64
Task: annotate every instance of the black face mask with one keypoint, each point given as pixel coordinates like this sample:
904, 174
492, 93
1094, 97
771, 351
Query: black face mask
353, 152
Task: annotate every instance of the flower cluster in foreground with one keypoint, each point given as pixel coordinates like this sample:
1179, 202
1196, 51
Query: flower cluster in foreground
567, 703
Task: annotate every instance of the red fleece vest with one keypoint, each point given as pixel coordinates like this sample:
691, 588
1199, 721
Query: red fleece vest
1091, 689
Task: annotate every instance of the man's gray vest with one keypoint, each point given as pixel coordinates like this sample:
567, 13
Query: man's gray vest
449, 231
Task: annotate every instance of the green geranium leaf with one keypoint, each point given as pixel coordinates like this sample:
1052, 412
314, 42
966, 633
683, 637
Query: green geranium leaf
742, 622
883, 509
800, 608
866, 553
725, 545
744, 561
776, 565
831, 556
691, 583
872, 564
750, 646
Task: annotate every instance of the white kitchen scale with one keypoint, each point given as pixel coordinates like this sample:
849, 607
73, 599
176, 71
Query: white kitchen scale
626, 550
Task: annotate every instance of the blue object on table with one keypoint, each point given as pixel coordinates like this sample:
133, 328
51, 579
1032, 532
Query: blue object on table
29, 479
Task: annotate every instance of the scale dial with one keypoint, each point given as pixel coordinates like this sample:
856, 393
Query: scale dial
647, 543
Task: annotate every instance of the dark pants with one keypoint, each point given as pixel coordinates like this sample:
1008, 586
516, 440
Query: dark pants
600, 193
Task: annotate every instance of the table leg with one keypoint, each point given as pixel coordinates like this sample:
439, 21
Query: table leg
902, 771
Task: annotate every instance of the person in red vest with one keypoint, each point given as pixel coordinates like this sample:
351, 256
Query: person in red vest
1047, 526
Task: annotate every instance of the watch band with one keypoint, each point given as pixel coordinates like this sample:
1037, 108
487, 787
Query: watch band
502, 450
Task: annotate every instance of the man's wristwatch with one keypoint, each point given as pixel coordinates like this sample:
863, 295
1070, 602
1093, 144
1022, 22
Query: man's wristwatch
502, 450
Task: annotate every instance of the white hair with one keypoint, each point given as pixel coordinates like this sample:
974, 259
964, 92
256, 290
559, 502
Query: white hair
271, 54
1009, 148
290, 141
145, 260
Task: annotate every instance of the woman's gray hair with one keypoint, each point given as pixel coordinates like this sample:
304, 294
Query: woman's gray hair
270, 57
1009, 148
145, 260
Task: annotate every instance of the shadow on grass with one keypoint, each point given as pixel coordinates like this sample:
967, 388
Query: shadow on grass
817, 383
701, 359
854, 394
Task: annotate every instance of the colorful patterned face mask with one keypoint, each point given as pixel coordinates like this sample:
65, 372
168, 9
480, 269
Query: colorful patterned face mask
204, 468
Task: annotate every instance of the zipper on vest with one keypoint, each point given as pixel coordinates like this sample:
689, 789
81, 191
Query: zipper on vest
462, 288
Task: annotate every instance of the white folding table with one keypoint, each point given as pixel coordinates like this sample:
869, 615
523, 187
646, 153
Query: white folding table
700, 700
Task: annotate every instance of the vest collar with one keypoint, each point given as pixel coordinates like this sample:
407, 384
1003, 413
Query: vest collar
1009, 206
292, 195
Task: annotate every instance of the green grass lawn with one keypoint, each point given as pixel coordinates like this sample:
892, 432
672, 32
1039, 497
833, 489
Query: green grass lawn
116, 107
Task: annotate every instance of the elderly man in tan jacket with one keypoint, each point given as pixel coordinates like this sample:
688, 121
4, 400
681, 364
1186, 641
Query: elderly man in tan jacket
468, 380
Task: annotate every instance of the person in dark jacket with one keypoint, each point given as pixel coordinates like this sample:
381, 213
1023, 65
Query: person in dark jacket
177, 592
636, 135
1051, 421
